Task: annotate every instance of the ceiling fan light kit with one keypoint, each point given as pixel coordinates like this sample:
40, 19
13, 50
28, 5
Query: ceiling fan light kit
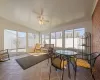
40, 17
41, 22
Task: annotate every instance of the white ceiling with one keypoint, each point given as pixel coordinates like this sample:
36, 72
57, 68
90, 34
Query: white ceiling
57, 11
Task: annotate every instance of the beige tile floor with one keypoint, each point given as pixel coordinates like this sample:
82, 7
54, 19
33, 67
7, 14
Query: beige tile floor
10, 70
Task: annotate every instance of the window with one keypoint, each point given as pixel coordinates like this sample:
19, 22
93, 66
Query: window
16, 41
31, 41
58, 39
77, 40
68, 38
43, 39
21, 42
73, 41
10, 40
36, 38
47, 39
71, 38
53, 38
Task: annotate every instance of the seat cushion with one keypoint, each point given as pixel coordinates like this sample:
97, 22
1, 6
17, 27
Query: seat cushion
58, 63
82, 63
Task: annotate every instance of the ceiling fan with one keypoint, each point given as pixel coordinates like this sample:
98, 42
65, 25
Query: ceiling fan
40, 17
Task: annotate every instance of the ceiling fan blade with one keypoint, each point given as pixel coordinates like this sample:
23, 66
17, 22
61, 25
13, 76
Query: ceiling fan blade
38, 17
36, 12
46, 20
42, 11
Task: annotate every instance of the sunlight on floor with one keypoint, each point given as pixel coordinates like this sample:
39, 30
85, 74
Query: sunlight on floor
37, 54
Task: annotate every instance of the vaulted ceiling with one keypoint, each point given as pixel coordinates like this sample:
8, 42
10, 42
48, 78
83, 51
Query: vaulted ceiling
56, 11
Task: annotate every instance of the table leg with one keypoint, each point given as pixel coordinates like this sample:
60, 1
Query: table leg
69, 68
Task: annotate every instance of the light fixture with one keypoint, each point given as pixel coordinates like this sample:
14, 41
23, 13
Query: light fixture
41, 17
41, 22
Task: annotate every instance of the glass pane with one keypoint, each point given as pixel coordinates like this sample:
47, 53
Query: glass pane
53, 38
36, 37
43, 41
53, 41
77, 40
69, 39
30, 40
10, 40
47, 36
58, 39
21, 42
47, 39
42, 36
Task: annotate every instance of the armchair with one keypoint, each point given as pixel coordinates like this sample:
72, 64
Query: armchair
4, 55
37, 48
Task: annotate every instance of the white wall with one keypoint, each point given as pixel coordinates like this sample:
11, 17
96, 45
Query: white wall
5, 24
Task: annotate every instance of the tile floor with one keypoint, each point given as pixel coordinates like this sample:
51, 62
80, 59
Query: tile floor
10, 70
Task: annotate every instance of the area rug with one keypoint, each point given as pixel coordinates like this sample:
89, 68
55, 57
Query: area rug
29, 61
